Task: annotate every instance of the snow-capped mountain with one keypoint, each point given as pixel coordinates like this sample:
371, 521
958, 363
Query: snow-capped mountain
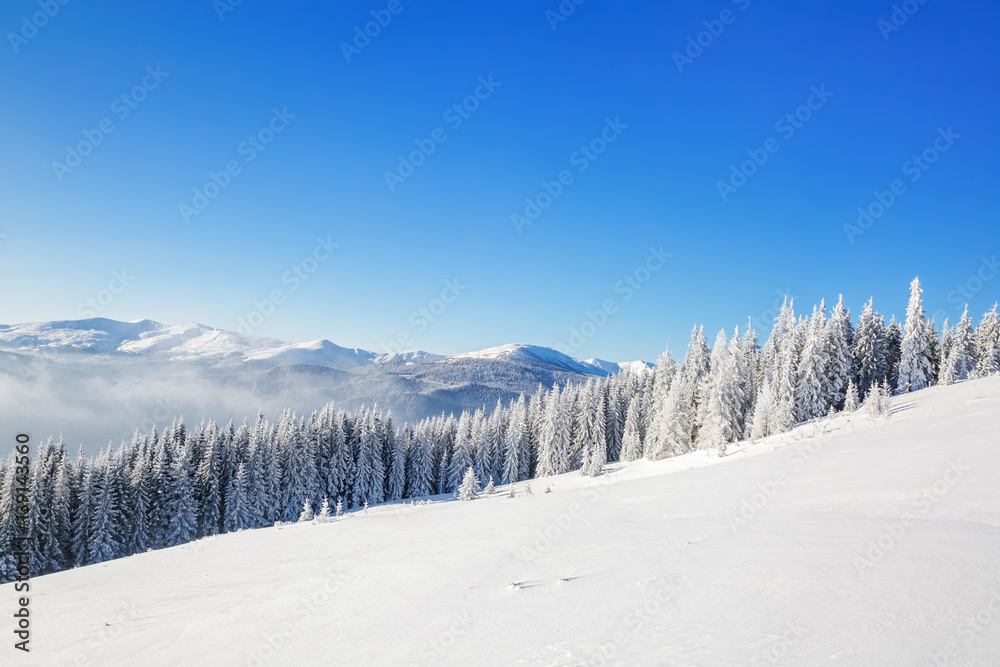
189, 342
612, 367
96, 380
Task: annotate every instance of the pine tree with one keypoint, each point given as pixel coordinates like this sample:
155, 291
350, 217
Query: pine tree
839, 368
469, 488
183, 521
915, 366
10, 531
340, 507
851, 402
869, 351
420, 473
988, 344
597, 456
554, 439
324, 511
631, 441
963, 347
102, 539
236, 517
307, 513
811, 394
516, 444
490, 489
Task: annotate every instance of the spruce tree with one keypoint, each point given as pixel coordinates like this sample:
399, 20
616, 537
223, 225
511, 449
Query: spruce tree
915, 365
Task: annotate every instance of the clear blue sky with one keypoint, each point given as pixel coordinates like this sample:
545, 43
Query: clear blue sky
656, 184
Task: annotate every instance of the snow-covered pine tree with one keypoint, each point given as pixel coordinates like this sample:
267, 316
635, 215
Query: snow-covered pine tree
893, 352
851, 401
631, 440
324, 511
915, 365
720, 421
464, 454
811, 393
963, 346
869, 351
420, 474
397, 457
102, 540
490, 489
839, 366
307, 512
987, 344
235, 517
597, 456
469, 488
584, 432
517, 443
183, 518
554, 439
9, 531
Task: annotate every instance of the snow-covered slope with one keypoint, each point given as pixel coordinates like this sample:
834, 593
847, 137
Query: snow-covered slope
840, 543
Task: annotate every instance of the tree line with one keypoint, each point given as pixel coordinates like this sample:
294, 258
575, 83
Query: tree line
166, 489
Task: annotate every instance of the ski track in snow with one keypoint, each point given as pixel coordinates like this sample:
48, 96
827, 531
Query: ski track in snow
640, 566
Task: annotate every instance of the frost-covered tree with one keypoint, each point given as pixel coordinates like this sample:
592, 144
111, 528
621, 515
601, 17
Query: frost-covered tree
877, 401
916, 369
839, 371
469, 488
307, 512
631, 441
597, 451
870, 349
723, 398
235, 517
851, 401
963, 347
517, 445
554, 439
988, 344
811, 393
183, 521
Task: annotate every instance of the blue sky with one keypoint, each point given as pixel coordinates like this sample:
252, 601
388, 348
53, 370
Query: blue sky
887, 96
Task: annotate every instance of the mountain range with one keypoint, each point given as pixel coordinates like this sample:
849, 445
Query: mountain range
97, 380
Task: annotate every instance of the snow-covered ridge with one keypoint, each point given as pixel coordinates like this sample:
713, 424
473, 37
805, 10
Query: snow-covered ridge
199, 343
521, 353
187, 342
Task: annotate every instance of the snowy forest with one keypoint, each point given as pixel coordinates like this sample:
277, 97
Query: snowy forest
184, 483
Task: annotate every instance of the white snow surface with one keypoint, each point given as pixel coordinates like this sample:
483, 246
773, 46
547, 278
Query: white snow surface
612, 367
858, 544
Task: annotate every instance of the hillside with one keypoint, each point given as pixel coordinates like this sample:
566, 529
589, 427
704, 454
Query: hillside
838, 543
